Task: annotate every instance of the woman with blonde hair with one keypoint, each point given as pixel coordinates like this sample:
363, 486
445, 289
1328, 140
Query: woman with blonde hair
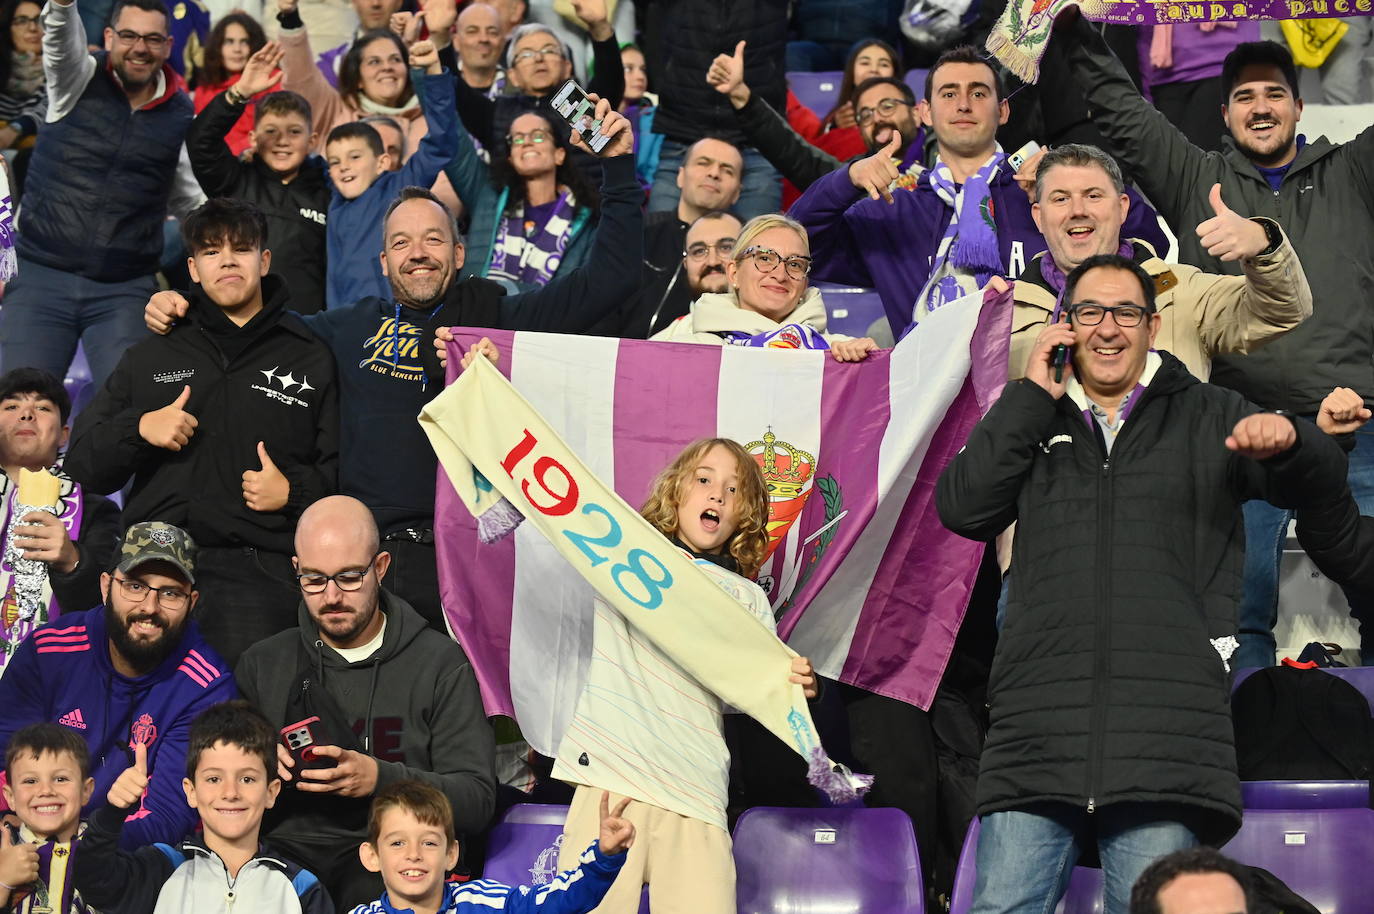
770, 302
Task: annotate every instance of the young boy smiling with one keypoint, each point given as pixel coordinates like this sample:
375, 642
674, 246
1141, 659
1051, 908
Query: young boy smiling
411, 842
231, 780
48, 781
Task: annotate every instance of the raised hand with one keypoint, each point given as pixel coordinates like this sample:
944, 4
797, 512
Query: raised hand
1026, 176
262, 71
163, 310
1040, 363
1262, 435
874, 174
170, 427
130, 786
18, 860
266, 488
617, 832
614, 126
726, 73
425, 56
1229, 235
1342, 412
287, 6
440, 16
42, 537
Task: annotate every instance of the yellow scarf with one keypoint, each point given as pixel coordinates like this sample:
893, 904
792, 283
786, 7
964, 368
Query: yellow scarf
500, 454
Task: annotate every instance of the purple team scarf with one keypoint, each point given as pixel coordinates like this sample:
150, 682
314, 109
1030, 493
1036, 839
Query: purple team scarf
532, 257
788, 336
968, 254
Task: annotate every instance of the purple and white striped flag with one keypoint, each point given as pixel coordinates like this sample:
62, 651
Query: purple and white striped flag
864, 579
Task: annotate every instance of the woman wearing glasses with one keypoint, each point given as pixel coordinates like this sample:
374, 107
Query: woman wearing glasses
23, 97
530, 208
768, 301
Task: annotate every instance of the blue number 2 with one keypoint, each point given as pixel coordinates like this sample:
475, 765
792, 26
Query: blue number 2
609, 539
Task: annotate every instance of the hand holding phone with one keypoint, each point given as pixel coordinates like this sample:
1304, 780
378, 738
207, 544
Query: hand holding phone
300, 740
573, 105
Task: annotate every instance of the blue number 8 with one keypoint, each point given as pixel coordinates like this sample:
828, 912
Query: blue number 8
654, 586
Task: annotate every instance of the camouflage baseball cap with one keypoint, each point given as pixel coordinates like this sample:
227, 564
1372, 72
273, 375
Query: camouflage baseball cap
154, 541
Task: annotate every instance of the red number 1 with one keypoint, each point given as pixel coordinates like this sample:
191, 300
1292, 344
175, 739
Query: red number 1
518, 453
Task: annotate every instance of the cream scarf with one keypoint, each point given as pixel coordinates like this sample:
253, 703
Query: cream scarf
506, 464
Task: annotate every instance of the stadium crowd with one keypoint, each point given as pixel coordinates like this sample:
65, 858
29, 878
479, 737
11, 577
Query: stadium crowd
226, 673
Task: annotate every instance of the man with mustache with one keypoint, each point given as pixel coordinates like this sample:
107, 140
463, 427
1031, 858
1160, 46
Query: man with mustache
133, 671
1323, 195
100, 184
383, 347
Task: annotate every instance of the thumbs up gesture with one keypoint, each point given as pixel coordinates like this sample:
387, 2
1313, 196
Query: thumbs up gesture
727, 75
875, 174
18, 860
129, 787
1228, 235
170, 427
267, 488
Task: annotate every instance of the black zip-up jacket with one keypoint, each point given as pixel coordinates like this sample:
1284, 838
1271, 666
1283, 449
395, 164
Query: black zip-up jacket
295, 211
1106, 686
389, 371
270, 381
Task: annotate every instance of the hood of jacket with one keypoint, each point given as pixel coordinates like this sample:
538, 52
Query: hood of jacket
403, 625
720, 312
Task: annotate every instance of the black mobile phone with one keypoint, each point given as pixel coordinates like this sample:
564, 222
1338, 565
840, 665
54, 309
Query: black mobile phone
573, 105
300, 740
1060, 357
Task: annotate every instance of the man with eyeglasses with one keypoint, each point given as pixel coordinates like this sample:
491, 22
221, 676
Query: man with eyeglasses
1110, 715
103, 177
133, 671
363, 662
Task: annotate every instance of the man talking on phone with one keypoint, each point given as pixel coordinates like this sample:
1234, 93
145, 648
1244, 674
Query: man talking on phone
1110, 716
947, 232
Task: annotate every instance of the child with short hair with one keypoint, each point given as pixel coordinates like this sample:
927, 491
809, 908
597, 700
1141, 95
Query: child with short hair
281, 178
231, 780
47, 782
364, 184
666, 729
411, 843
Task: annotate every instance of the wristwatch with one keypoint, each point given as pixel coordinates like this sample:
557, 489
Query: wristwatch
233, 96
1273, 233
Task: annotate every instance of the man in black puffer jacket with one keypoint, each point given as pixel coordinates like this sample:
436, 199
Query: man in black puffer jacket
1110, 718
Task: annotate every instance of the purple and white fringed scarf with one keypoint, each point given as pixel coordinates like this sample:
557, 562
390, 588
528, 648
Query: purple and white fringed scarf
788, 336
9, 262
530, 254
968, 255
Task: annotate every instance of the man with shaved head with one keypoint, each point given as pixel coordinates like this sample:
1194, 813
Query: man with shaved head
368, 695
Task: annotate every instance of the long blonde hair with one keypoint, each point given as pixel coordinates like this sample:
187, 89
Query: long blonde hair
749, 543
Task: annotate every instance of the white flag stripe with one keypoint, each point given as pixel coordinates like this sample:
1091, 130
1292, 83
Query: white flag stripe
926, 373
758, 393
548, 662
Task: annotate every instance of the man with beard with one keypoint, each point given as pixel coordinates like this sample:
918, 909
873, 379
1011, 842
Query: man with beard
363, 662
1323, 195
387, 366
100, 184
963, 221
133, 671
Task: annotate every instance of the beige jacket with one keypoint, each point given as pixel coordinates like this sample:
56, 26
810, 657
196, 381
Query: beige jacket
1203, 313
719, 312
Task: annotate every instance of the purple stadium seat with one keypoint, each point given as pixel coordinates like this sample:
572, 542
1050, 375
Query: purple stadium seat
916, 79
523, 847
1304, 794
817, 91
1325, 855
816, 861
1083, 897
78, 381
850, 309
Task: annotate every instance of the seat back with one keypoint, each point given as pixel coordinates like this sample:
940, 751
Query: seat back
850, 309
1084, 895
817, 91
1304, 795
916, 79
1325, 855
810, 861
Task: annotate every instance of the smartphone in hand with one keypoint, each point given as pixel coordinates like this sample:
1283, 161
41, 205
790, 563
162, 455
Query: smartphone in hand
300, 740
573, 105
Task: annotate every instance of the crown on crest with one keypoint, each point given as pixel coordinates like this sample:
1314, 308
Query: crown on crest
786, 469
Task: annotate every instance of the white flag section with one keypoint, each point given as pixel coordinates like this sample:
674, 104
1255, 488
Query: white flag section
864, 579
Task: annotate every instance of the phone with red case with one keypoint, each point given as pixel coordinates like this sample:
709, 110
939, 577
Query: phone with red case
301, 738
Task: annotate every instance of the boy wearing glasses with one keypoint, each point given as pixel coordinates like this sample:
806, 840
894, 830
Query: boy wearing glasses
384, 697
133, 672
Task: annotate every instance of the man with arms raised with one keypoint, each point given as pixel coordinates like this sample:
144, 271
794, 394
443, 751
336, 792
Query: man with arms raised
1125, 475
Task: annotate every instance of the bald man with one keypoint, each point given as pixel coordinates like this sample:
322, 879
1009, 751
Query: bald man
378, 696
481, 34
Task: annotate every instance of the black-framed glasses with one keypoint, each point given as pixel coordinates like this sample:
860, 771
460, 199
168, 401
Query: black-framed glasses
537, 135
155, 41
548, 50
23, 22
701, 250
349, 580
1091, 315
136, 591
885, 107
766, 261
